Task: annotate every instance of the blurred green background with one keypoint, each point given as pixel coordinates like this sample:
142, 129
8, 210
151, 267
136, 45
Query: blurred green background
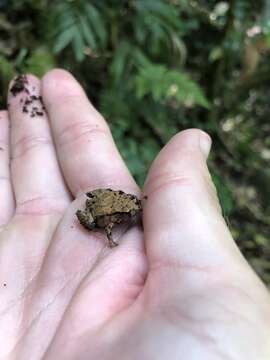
155, 67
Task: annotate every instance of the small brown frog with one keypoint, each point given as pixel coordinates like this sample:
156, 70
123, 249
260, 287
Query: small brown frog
106, 207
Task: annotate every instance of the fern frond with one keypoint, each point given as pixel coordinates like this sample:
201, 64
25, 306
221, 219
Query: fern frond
80, 25
163, 83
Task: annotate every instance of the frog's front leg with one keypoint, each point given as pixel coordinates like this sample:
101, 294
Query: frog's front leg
108, 230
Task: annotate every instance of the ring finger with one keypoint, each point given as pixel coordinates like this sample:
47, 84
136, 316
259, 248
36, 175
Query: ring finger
37, 180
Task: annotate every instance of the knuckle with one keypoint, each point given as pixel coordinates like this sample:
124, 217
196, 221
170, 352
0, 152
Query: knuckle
62, 85
80, 131
193, 184
165, 180
41, 206
28, 143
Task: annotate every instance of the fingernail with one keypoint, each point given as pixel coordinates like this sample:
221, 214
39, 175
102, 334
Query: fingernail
205, 143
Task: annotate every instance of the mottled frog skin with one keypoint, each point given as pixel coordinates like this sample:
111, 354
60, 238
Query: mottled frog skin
104, 208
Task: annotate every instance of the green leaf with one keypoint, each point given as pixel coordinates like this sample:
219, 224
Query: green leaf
78, 46
87, 33
159, 9
7, 71
140, 59
224, 193
79, 24
21, 56
164, 84
64, 39
97, 23
64, 18
40, 61
119, 60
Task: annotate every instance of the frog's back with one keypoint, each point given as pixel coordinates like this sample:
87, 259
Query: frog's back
108, 202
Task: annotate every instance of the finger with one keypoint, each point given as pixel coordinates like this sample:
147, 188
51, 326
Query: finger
36, 176
6, 193
182, 219
86, 151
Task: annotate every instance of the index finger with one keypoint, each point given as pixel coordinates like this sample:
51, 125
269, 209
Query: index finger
87, 154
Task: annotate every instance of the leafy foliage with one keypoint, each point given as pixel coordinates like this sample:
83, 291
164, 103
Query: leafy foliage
39, 62
155, 67
79, 24
163, 84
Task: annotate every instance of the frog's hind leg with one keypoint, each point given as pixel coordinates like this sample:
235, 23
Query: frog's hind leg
108, 230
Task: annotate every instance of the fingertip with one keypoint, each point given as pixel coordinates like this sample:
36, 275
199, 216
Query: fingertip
56, 73
20, 87
205, 143
24, 79
32, 78
60, 83
183, 155
192, 139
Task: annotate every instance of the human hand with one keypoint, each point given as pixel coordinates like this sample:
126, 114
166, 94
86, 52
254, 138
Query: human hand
179, 290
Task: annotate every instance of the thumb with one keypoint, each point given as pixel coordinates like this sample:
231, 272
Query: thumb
182, 217
198, 280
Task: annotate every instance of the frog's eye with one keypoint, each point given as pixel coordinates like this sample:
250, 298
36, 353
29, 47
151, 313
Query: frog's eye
90, 195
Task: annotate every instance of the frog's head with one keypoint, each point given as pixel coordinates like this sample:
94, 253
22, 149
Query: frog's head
86, 219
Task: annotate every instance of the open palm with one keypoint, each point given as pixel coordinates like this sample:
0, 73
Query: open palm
179, 289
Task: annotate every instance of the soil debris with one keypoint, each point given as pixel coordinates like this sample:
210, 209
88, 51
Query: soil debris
34, 105
19, 85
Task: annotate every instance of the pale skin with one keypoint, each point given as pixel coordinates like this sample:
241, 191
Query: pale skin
180, 289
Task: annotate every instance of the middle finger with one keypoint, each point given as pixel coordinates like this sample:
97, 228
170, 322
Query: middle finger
87, 153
